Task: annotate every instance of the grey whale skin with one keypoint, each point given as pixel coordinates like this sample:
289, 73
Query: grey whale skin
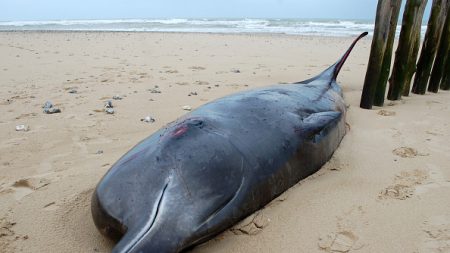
218, 164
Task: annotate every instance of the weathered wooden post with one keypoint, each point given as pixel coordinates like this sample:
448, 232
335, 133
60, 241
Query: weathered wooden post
441, 57
429, 46
407, 50
445, 82
413, 60
380, 91
384, 28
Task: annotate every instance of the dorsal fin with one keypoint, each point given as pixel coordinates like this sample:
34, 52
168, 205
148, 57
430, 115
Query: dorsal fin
332, 72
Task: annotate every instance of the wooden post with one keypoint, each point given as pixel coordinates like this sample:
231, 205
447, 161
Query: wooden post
441, 56
412, 63
380, 91
406, 54
445, 82
379, 46
429, 47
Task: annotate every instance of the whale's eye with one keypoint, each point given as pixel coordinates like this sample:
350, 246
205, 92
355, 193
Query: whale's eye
198, 123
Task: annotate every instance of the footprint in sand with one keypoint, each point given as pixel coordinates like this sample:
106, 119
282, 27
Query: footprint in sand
24, 187
386, 113
436, 235
405, 152
252, 225
343, 241
404, 185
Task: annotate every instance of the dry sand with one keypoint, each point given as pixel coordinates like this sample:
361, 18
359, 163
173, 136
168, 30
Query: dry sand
386, 189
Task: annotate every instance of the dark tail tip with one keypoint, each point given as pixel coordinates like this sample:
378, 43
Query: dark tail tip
341, 62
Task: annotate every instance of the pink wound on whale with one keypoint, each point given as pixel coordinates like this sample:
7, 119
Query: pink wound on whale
180, 131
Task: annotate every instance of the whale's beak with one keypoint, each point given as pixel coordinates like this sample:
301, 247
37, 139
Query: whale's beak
105, 223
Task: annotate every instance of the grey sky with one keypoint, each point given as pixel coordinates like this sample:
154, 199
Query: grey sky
110, 9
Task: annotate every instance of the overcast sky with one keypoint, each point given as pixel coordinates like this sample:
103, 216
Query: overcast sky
11, 10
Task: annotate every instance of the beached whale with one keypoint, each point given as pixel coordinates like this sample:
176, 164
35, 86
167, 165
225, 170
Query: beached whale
218, 164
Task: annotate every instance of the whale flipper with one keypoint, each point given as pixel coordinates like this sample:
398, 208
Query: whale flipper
320, 120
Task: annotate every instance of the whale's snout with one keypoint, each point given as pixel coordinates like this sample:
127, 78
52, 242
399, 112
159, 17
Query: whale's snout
105, 223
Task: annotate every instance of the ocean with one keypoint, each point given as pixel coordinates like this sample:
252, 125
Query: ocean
307, 27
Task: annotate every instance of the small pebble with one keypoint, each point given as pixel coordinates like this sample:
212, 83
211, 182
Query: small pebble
109, 104
187, 108
52, 110
99, 152
193, 94
47, 104
117, 97
22, 128
154, 91
49, 109
73, 91
109, 110
148, 119
237, 71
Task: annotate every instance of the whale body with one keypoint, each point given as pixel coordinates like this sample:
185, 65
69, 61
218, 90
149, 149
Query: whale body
220, 163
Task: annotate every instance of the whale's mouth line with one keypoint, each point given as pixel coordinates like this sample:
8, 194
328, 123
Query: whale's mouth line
148, 226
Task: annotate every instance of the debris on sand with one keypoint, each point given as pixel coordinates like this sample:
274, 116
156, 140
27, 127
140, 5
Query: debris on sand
73, 91
237, 71
22, 128
109, 107
109, 110
49, 109
52, 110
148, 119
155, 89
187, 108
108, 104
47, 104
193, 94
117, 97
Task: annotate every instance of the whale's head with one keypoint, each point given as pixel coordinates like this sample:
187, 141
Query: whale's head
167, 190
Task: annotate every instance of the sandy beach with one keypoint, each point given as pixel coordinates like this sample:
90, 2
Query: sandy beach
386, 189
